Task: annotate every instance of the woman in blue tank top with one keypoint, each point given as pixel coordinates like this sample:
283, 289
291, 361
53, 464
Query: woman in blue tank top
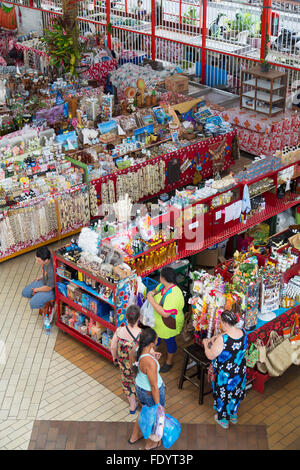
150, 388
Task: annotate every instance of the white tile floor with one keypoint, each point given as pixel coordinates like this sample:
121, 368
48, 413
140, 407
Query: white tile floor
35, 381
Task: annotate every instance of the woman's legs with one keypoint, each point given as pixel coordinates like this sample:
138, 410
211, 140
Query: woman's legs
132, 402
171, 348
136, 433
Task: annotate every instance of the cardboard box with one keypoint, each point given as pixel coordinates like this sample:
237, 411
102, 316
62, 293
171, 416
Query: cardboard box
208, 258
177, 83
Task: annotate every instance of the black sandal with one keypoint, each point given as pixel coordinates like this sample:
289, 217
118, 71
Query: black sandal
132, 443
158, 446
165, 368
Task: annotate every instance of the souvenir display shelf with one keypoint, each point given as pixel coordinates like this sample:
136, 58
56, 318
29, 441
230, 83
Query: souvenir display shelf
61, 230
211, 236
284, 319
216, 231
265, 92
197, 153
118, 303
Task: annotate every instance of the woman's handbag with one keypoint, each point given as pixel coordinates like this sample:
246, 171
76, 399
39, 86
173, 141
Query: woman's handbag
252, 355
278, 357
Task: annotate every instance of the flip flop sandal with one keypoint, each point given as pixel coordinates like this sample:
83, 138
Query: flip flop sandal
158, 446
132, 443
223, 425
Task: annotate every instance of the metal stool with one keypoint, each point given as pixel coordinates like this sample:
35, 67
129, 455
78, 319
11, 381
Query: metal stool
195, 353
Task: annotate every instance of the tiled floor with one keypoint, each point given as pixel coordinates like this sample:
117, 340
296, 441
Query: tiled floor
61, 435
57, 378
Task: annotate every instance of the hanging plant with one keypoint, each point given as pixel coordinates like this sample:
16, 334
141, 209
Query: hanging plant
62, 39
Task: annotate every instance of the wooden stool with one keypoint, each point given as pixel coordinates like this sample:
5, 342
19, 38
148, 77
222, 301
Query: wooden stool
195, 353
47, 308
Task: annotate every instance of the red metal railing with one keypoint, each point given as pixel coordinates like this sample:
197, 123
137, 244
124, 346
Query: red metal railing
206, 38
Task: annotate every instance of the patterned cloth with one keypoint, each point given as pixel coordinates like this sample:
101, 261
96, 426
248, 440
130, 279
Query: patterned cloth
100, 71
127, 375
262, 134
230, 376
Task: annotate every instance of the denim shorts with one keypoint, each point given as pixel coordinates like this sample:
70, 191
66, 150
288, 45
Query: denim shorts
146, 398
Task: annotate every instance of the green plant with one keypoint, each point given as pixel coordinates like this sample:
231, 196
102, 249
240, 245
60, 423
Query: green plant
62, 48
242, 22
190, 17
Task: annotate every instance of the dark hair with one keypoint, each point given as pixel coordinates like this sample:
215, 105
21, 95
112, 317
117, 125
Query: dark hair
43, 252
147, 336
229, 317
133, 314
169, 274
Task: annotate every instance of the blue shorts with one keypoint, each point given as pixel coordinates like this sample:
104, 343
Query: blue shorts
146, 398
170, 343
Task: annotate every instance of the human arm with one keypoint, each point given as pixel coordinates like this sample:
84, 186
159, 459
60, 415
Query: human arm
149, 367
173, 302
41, 289
114, 346
132, 355
158, 308
213, 346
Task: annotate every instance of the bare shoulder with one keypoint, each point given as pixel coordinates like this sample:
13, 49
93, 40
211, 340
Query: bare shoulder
147, 362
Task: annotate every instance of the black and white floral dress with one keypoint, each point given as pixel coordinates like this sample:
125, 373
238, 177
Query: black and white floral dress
230, 376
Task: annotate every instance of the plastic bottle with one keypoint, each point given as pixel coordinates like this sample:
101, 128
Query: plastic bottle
47, 325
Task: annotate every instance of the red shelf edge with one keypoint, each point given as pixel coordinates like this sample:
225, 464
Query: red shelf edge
84, 339
86, 312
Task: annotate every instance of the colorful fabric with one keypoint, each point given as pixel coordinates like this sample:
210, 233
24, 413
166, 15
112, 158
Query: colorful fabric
127, 376
230, 376
174, 303
262, 134
100, 71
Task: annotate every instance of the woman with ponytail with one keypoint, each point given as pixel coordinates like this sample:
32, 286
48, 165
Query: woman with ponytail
150, 388
168, 302
227, 353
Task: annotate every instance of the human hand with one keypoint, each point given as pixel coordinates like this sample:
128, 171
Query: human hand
150, 296
35, 290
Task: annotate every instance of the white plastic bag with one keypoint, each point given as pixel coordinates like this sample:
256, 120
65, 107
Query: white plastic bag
147, 314
158, 427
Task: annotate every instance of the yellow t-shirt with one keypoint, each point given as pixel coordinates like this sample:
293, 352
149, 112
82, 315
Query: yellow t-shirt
174, 302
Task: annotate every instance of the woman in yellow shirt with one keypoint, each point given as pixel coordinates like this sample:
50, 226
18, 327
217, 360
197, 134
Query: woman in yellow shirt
168, 303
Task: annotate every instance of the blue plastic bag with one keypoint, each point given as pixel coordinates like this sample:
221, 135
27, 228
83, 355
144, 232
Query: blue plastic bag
147, 419
172, 430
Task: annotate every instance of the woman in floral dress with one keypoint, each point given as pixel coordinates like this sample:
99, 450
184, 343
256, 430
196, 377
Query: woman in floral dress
124, 339
227, 352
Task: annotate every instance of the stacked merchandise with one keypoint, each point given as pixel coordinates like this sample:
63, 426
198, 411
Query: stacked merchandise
251, 290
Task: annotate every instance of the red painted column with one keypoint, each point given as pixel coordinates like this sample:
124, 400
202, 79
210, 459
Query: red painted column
153, 29
107, 23
204, 33
265, 25
180, 12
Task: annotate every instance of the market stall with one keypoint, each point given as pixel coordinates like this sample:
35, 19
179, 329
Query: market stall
141, 242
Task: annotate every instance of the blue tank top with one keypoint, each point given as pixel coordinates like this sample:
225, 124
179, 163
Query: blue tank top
142, 380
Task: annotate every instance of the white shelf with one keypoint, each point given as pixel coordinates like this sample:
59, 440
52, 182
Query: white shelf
265, 109
263, 96
264, 84
262, 109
